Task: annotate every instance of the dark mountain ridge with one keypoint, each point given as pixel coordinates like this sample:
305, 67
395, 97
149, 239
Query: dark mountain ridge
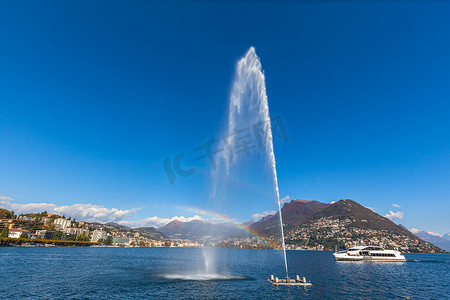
294, 213
363, 217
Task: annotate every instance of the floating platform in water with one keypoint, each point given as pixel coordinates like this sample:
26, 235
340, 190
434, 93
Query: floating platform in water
288, 281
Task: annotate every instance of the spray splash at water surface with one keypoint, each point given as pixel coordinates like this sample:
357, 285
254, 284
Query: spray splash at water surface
248, 108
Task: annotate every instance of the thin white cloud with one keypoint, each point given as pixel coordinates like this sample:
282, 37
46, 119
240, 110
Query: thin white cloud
159, 222
414, 230
6, 198
28, 207
94, 213
285, 199
371, 208
259, 216
82, 212
435, 234
396, 205
332, 202
394, 215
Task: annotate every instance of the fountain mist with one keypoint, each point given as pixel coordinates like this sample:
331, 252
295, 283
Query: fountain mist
249, 107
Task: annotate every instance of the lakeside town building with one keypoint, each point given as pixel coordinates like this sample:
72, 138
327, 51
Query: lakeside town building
16, 233
98, 235
62, 223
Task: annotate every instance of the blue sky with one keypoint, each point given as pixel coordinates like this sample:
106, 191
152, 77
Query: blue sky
95, 95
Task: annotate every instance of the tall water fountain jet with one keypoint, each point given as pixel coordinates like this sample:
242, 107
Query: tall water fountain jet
248, 108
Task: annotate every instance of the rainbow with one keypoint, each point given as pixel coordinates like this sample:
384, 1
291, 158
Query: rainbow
228, 220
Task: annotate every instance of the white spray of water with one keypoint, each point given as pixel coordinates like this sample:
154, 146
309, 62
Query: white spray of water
249, 107
202, 276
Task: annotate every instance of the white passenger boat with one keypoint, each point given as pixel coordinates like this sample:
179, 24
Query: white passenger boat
369, 253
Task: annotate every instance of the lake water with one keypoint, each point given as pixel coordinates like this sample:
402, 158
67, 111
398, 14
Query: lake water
124, 273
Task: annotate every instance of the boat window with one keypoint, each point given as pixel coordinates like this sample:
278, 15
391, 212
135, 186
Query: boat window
377, 254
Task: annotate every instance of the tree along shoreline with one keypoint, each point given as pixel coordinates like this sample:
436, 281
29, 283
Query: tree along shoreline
5, 242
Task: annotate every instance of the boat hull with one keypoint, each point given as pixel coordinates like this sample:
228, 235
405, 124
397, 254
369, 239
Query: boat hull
291, 283
370, 259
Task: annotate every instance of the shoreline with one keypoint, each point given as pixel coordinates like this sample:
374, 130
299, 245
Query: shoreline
32, 243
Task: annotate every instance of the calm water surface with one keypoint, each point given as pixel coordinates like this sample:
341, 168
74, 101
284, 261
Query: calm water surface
177, 273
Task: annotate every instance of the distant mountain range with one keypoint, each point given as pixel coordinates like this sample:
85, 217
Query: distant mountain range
293, 213
198, 230
116, 225
299, 215
442, 242
150, 232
